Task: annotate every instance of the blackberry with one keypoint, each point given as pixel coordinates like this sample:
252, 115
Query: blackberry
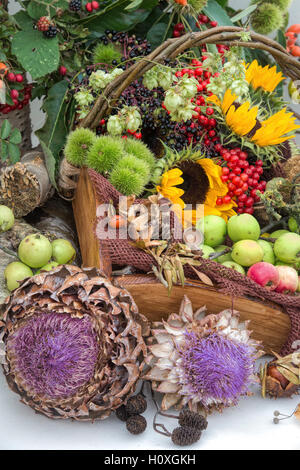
43, 24
75, 5
51, 33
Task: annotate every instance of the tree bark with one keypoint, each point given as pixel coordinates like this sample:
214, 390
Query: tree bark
25, 185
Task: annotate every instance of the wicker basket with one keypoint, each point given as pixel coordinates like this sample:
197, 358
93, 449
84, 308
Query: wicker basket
270, 321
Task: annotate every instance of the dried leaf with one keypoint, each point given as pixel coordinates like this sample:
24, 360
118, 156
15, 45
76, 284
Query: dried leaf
294, 379
203, 278
297, 412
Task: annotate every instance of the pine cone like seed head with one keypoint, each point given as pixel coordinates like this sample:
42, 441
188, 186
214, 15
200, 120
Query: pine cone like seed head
184, 436
136, 424
136, 405
190, 419
121, 413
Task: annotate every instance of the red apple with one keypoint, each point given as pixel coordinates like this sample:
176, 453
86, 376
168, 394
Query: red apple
264, 274
288, 280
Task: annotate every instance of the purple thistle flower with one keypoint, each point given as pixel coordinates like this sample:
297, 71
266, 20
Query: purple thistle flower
215, 368
54, 354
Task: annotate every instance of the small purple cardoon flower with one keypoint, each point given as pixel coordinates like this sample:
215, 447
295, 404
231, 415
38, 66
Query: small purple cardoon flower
54, 354
215, 368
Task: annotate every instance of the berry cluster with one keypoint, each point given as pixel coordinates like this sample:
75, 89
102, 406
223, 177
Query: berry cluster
243, 179
75, 5
132, 46
90, 6
19, 94
46, 26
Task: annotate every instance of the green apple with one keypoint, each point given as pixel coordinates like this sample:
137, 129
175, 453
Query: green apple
287, 247
243, 227
7, 218
35, 250
278, 233
267, 247
237, 267
221, 259
247, 252
293, 225
206, 250
214, 229
16, 272
62, 251
48, 267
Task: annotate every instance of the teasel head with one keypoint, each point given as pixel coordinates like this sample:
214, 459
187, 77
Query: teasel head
201, 361
72, 343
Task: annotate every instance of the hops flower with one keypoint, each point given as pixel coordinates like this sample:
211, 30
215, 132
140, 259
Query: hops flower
115, 125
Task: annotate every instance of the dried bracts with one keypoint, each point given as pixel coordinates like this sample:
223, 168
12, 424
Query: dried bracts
201, 361
72, 343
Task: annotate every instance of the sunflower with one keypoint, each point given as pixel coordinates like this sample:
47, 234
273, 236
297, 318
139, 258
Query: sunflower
240, 118
168, 189
263, 77
273, 130
203, 189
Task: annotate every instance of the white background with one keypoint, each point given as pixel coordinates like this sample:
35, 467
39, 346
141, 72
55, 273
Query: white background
247, 426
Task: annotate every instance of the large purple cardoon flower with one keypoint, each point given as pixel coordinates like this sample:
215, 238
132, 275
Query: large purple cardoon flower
54, 354
215, 368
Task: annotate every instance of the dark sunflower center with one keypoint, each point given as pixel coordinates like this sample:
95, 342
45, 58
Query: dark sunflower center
53, 354
196, 183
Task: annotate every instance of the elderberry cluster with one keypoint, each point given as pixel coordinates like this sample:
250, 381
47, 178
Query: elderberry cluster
133, 46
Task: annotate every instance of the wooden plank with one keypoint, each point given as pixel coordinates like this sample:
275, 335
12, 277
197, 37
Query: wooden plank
269, 325
84, 208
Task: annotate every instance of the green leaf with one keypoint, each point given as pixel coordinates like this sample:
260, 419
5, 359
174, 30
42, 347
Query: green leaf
133, 4
216, 13
116, 19
36, 9
38, 55
14, 153
5, 129
4, 150
156, 34
281, 38
15, 137
244, 13
53, 134
23, 20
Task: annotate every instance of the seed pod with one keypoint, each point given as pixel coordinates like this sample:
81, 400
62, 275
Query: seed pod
184, 436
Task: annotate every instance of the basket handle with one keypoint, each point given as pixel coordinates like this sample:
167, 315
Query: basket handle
227, 35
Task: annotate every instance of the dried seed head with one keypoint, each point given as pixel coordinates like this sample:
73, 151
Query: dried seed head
190, 419
136, 405
136, 424
184, 436
121, 413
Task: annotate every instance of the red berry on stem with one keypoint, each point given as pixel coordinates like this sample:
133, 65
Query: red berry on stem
19, 78
11, 77
89, 7
95, 5
14, 94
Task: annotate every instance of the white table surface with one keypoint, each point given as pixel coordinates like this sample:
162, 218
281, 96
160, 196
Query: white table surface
246, 426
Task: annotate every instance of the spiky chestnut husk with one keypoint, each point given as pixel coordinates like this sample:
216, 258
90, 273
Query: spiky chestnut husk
185, 436
136, 424
73, 343
201, 361
134, 164
267, 18
127, 182
140, 150
106, 54
78, 144
105, 153
282, 4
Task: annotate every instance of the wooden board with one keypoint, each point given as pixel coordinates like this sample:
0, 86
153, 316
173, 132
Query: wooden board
268, 322
269, 325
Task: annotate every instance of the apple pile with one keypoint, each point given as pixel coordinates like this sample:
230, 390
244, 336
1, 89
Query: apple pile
35, 252
274, 266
